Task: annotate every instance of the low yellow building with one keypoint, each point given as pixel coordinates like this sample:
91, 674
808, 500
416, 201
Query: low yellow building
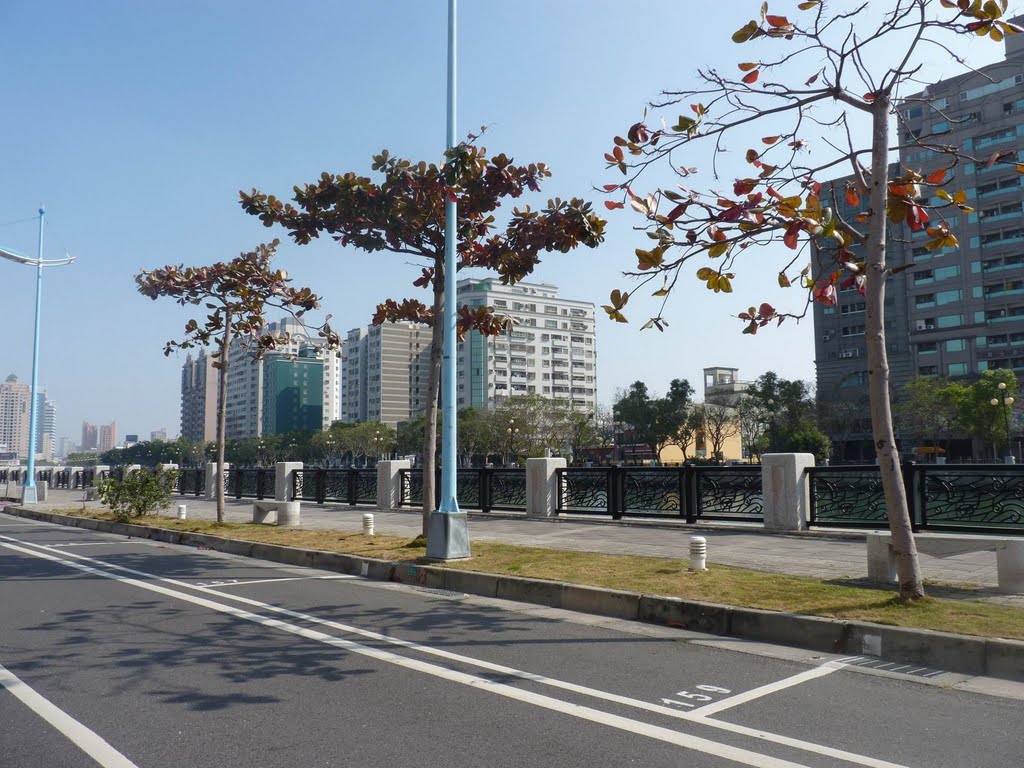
730, 446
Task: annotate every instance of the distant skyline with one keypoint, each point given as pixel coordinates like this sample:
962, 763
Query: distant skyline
137, 123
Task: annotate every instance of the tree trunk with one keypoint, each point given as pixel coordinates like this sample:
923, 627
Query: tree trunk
222, 408
907, 567
433, 390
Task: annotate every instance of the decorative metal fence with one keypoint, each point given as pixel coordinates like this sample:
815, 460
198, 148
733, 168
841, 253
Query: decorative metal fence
483, 488
692, 493
983, 498
249, 482
191, 482
347, 486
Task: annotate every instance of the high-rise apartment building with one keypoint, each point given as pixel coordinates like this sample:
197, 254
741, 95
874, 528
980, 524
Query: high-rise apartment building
550, 350
245, 396
293, 392
107, 437
198, 399
159, 434
15, 407
954, 312
90, 436
384, 373
46, 427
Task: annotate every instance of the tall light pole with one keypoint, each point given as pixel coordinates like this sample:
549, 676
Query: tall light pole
447, 527
29, 493
1005, 401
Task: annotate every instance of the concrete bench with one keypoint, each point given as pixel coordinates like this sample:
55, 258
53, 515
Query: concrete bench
1009, 555
285, 512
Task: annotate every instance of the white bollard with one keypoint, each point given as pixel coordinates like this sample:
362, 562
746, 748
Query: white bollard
368, 524
181, 512
698, 553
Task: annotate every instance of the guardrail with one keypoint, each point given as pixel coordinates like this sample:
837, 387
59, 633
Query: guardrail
483, 488
347, 486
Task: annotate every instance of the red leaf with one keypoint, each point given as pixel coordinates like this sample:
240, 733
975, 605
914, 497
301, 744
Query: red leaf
747, 66
936, 177
610, 187
611, 205
777, 21
852, 198
751, 78
770, 139
811, 81
790, 238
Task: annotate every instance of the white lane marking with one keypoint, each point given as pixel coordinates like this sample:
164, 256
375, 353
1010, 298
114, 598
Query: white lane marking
806, 746
244, 583
87, 740
629, 725
765, 690
102, 543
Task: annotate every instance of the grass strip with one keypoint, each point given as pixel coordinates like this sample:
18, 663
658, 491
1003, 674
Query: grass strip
648, 575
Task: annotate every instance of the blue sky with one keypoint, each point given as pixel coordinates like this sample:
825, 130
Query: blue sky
137, 123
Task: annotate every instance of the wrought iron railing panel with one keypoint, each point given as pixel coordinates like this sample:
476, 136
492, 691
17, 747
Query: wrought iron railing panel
467, 486
305, 484
729, 493
412, 487
335, 484
849, 497
269, 482
652, 491
584, 490
983, 498
508, 489
365, 486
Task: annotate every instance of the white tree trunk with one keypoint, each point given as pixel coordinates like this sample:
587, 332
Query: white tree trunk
905, 550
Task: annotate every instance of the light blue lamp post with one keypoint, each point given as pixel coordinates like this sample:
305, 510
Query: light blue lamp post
447, 527
29, 493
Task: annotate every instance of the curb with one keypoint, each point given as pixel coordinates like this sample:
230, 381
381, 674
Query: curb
966, 654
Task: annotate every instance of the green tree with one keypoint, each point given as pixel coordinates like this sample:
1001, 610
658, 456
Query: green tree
930, 409
979, 417
404, 214
236, 294
835, 61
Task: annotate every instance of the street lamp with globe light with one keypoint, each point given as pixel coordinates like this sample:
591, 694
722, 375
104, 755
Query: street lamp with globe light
29, 492
1006, 401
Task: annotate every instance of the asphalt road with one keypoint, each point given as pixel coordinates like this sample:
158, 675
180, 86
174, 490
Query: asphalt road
121, 652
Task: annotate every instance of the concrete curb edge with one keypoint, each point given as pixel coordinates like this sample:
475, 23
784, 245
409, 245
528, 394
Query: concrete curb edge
967, 654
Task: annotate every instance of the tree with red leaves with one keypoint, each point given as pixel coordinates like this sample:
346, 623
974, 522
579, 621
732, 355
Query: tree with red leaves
403, 213
237, 294
842, 61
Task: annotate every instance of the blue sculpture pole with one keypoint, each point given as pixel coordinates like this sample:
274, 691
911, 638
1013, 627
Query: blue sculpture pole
447, 529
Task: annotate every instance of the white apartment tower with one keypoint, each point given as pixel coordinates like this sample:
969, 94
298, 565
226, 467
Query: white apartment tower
384, 373
550, 351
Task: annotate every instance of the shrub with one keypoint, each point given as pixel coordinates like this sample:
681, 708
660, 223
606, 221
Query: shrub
138, 493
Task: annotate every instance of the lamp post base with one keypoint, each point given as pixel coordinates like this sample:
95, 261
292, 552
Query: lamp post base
447, 536
29, 494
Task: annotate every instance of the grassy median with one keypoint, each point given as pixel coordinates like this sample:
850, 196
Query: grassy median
649, 575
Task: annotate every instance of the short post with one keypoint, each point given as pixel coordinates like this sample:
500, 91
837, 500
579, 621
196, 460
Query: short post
368, 524
182, 513
389, 484
698, 553
785, 485
542, 486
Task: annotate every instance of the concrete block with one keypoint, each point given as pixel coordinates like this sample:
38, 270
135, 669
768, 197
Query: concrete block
165, 536
1004, 658
786, 488
286, 555
336, 562
686, 614
881, 562
786, 629
955, 653
470, 582
288, 514
547, 593
284, 482
1010, 566
420, 575
235, 547
602, 602
542, 486
213, 477
389, 485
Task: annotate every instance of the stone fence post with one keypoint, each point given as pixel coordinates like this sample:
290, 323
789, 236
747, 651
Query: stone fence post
212, 478
786, 485
542, 486
284, 479
389, 484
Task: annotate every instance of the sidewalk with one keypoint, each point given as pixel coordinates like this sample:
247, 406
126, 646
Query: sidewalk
819, 554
